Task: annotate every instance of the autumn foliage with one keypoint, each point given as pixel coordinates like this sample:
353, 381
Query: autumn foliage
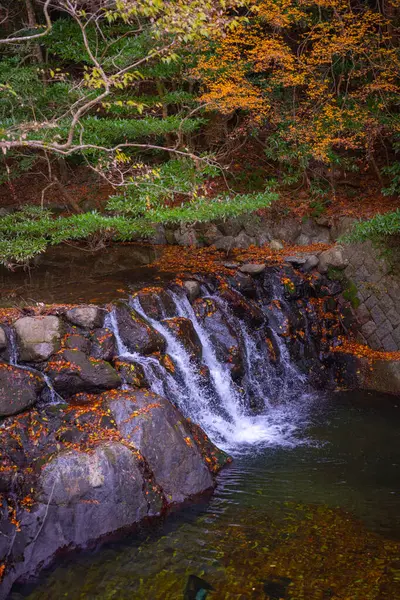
320, 79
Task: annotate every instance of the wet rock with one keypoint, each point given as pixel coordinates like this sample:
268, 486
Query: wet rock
252, 268
156, 303
103, 344
19, 389
298, 260
192, 289
222, 335
243, 308
75, 372
82, 497
245, 284
87, 317
132, 373
37, 337
136, 333
159, 432
276, 245
77, 342
332, 258
183, 329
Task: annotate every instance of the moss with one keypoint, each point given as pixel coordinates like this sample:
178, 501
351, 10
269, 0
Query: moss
350, 291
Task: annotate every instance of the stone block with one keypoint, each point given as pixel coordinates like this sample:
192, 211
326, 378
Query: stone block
389, 344
378, 315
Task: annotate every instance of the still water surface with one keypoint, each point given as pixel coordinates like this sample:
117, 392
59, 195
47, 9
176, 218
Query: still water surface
315, 519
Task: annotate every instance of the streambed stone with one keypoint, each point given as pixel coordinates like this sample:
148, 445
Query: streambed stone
156, 303
192, 289
103, 344
19, 389
222, 335
75, 372
37, 337
252, 268
85, 316
184, 330
136, 333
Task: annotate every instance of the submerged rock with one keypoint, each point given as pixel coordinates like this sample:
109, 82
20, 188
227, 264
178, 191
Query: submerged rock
19, 389
37, 337
136, 333
75, 372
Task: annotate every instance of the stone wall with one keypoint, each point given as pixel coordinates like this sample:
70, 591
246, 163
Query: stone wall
378, 290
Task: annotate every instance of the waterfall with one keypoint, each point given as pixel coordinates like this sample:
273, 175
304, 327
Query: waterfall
219, 405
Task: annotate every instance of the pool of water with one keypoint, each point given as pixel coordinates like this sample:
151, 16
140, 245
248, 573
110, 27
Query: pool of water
312, 521
65, 274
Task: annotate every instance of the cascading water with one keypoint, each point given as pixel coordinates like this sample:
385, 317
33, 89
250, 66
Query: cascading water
55, 398
220, 405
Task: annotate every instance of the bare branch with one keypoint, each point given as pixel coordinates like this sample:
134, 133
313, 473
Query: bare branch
19, 39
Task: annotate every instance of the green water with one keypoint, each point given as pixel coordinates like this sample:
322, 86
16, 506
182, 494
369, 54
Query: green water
315, 521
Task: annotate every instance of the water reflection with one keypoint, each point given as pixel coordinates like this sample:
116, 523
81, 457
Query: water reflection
66, 274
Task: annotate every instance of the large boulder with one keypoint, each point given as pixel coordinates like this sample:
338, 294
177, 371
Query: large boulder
159, 432
74, 372
183, 329
37, 337
80, 498
222, 335
86, 316
19, 389
136, 333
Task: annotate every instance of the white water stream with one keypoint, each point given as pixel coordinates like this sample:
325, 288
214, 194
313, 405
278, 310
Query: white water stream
221, 408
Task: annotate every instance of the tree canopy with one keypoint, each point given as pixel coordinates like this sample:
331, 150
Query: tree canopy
131, 90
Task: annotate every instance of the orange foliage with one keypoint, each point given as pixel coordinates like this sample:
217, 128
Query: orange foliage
362, 351
321, 72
